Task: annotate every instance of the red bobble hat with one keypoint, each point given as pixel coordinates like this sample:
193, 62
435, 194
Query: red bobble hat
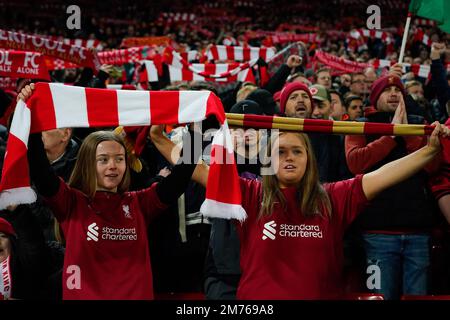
382, 83
288, 89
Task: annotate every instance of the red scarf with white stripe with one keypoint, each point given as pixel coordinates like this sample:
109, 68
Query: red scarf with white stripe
221, 72
223, 53
5, 279
57, 106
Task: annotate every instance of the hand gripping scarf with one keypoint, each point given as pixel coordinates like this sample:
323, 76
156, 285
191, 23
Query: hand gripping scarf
57, 106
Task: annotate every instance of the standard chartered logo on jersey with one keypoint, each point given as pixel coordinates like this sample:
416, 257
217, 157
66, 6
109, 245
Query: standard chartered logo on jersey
269, 230
291, 231
108, 233
92, 233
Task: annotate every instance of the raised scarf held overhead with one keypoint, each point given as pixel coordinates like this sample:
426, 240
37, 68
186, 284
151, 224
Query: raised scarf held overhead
59, 50
57, 106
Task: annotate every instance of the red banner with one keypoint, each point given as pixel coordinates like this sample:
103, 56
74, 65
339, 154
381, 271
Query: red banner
20, 41
340, 64
146, 41
18, 64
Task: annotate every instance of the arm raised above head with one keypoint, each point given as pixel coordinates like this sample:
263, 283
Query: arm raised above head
171, 152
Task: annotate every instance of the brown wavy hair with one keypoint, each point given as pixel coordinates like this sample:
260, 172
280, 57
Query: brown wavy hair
84, 174
311, 196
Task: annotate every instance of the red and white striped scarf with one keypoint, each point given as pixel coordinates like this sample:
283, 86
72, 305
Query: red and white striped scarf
181, 70
224, 53
424, 22
221, 72
5, 279
419, 70
422, 37
378, 34
121, 86
57, 106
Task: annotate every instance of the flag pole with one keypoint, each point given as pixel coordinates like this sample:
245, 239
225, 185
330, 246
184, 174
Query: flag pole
405, 38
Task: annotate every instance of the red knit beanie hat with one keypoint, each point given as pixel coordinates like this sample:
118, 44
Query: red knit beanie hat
288, 89
382, 83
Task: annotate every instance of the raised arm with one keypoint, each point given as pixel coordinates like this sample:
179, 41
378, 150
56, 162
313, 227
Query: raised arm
42, 175
401, 169
171, 152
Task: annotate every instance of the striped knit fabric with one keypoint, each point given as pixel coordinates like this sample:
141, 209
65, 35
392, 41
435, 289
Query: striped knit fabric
326, 126
57, 106
221, 72
223, 53
121, 86
420, 70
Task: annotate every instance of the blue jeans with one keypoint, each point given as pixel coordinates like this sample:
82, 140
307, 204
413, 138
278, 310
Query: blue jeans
403, 262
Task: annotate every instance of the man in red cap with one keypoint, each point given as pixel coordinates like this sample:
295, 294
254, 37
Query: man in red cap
396, 223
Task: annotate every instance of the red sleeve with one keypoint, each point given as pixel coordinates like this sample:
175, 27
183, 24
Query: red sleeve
347, 199
440, 182
414, 143
149, 202
63, 201
362, 156
251, 196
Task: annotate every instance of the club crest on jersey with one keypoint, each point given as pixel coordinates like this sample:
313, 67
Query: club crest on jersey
126, 211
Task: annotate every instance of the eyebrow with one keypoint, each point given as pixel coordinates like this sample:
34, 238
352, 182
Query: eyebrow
291, 146
105, 154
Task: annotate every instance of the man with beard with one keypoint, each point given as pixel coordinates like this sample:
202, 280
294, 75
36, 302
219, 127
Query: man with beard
395, 225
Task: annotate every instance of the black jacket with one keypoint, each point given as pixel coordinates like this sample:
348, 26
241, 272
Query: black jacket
407, 206
62, 168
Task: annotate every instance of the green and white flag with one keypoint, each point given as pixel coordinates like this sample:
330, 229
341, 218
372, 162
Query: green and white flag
437, 10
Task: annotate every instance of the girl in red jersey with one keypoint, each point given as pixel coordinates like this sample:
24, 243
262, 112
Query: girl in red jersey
105, 227
291, 241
